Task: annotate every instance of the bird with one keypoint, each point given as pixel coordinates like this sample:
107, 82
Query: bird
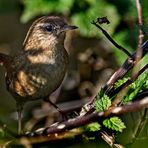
41, 64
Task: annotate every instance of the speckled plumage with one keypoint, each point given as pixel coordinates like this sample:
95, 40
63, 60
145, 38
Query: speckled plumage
41, 65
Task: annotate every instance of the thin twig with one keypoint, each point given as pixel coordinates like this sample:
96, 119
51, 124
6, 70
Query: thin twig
111, 40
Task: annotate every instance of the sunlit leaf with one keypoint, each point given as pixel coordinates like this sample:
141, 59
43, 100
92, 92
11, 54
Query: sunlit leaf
102, 103
114, 123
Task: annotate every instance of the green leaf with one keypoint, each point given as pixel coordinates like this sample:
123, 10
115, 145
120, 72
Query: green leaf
120, 82
114, 123
92, 127
136, 87
140, 82
102, 103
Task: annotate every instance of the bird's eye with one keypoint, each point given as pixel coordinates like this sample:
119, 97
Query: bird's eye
48, 28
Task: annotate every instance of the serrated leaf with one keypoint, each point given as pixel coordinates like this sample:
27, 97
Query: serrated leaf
142, 79
93, 127
129, 97
120, 82
114, 123
136, 87
102, 103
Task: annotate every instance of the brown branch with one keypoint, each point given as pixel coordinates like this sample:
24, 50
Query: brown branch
113, 91
140, 38
138, 57
109, 90
122, 90
140, 22
111, 40
93, 117
128, 65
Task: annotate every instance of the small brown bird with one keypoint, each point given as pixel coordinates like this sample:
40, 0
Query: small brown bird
40, 67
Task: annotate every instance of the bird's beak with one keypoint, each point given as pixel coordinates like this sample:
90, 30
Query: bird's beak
68, 27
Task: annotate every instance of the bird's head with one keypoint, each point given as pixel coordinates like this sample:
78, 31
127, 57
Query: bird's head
46, 31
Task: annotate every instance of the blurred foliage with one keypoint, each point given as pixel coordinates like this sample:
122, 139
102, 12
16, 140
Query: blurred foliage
7, 6
92, 127
80, 12
121, 13
38, 7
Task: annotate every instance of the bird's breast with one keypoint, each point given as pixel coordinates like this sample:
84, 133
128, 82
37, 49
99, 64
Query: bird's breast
38, 76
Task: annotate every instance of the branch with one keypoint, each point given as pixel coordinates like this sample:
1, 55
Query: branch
113, 91
128, 65
111, 40
59, 128
140, 38
140, 22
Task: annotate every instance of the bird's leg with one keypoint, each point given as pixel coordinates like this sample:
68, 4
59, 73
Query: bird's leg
19, 107
56, 107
